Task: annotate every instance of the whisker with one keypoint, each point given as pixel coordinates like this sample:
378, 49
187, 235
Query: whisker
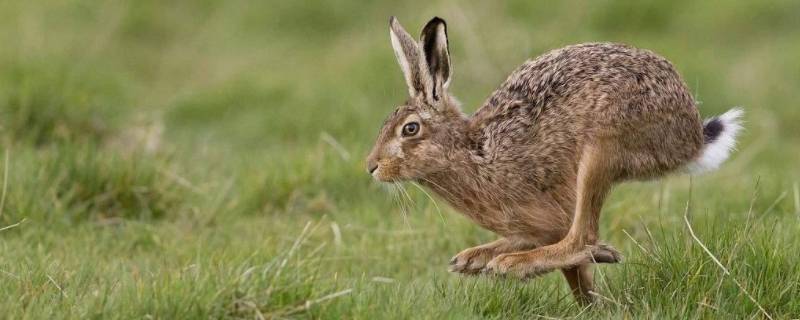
450, 194
411, 202
401, 201
438, 210
405, 192
393, 191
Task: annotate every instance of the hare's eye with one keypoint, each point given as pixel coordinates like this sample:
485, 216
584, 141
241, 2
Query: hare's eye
410, 129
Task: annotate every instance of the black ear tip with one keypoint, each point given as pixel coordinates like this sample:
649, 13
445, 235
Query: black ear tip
436, 19
392, 20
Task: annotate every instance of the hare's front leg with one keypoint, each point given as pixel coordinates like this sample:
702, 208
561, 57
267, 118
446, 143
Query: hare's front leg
528, 264
473, 260
595, 177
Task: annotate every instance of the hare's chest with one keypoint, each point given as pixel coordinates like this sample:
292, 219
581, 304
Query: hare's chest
514, 220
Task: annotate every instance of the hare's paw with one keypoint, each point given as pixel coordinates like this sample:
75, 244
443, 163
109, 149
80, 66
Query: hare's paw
519, 265
472, 260
528, 264
603, 253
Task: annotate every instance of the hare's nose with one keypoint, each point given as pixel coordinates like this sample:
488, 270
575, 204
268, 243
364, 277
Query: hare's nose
372, 167
372, 163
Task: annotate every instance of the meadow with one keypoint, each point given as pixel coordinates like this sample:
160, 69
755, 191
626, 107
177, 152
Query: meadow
202, 159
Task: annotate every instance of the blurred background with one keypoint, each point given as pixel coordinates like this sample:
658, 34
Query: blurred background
154, 152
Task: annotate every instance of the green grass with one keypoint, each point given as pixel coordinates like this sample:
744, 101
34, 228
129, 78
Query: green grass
196, 159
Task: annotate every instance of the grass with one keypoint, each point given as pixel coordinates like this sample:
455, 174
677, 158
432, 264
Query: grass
195, 159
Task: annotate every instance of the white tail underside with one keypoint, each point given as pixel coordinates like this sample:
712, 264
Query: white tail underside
716, 152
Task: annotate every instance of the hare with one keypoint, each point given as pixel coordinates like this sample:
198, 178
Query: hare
535, 162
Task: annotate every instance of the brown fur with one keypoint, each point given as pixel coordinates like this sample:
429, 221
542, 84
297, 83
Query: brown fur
536, 161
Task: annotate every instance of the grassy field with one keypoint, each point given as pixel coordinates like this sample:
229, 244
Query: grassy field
201, 159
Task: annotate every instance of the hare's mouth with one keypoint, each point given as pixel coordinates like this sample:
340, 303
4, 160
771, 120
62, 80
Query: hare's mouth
378, 175
384, 173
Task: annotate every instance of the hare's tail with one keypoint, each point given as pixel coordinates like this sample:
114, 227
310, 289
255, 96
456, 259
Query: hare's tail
719, 134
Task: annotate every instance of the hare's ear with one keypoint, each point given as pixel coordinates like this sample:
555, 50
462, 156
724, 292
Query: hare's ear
411, 60
437, 54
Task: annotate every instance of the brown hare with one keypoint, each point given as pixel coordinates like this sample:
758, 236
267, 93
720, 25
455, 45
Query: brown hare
536, 161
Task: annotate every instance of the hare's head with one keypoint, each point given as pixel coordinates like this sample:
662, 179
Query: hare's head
416, 139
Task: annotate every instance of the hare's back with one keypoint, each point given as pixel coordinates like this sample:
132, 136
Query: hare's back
550, 105
581, 74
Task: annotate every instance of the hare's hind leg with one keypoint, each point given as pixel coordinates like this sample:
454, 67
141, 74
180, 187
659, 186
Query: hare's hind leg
473, 260
595, 178
581, 282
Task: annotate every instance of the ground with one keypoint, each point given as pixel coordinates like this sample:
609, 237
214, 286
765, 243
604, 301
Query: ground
196, 159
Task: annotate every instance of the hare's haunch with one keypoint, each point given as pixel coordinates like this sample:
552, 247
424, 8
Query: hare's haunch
536, 161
